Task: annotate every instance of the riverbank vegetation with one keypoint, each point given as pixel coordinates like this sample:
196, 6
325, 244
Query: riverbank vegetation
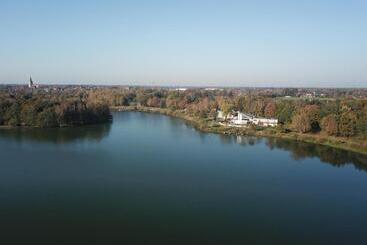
326, 116
336, 121
41, 109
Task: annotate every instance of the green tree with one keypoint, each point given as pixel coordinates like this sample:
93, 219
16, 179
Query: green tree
12, 115
47, 118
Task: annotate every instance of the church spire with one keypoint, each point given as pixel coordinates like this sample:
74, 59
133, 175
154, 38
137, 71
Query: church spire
30, 85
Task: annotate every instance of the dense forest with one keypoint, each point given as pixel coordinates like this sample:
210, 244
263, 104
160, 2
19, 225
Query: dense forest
50, 109
337, 114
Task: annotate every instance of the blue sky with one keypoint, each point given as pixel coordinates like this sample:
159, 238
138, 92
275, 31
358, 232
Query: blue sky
210, 43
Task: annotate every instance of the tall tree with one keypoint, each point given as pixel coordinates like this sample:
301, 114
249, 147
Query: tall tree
270, 109
347, 124
301, 123
330, 125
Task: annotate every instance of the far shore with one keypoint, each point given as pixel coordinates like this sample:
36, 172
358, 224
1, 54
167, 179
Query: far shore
210, 126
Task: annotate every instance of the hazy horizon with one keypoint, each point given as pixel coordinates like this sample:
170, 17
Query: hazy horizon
174, 43
183, 85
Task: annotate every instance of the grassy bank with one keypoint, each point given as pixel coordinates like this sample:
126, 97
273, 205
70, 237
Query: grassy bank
208, 125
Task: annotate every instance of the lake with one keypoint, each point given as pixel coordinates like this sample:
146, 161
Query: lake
152, 179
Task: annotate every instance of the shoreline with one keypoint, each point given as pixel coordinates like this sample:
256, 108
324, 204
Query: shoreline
209, 126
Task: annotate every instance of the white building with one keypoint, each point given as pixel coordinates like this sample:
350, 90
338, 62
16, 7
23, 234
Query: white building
240, 118
221, 116
267, 122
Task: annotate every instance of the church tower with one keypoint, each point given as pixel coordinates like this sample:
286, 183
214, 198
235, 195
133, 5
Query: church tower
30, 85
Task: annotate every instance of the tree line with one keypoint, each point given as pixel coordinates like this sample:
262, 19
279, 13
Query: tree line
344, 116
41, 109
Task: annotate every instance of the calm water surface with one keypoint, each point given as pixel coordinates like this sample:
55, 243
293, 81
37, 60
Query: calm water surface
151, 179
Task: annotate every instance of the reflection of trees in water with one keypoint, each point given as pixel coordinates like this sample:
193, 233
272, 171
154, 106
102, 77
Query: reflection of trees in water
302, 150
333, 156
57, 135
227, 140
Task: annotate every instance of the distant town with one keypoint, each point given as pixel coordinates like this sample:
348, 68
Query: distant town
284, 92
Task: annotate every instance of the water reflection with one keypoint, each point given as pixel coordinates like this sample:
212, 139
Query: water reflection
57, 135
302, 150
333, 156
299, 150
241, 140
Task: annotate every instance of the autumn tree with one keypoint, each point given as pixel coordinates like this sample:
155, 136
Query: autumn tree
153, 102
313, 113
347, 124
270, 109
301, 123
329, 125
259, 107
226, 107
